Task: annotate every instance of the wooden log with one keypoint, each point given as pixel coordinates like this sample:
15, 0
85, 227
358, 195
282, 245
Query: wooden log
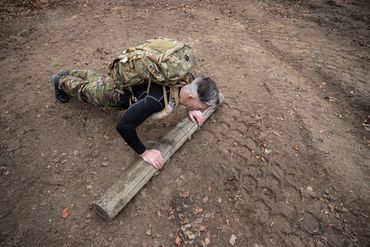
120, 193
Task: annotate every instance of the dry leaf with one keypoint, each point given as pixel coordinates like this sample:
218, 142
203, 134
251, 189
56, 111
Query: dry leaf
202, 228
207, 240
178, 240
260, 158
184, 221
198, 210
65, 213
159, 212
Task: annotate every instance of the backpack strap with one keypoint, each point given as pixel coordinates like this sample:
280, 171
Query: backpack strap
169, 107
167, 53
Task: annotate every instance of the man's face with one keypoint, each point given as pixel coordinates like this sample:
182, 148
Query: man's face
195, 104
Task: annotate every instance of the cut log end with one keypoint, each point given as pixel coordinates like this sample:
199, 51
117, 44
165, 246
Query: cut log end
101, 212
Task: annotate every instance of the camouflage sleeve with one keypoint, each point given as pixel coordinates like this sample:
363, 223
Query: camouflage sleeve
133, 117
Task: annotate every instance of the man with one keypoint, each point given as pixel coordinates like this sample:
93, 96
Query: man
141, 102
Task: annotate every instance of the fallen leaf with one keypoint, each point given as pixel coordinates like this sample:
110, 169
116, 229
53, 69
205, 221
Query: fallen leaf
198, 210
65, 213
207, 240
159, 212
178, 240
261, 158
184, 221
202, 228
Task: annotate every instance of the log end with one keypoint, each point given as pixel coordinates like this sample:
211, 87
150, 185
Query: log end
101, 211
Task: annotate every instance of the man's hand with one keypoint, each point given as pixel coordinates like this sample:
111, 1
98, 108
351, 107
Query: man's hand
196, 116
153, 157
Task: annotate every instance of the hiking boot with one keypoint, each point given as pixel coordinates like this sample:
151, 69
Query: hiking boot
63, 72
60, 95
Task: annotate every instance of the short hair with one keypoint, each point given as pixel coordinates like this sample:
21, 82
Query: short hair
207, 90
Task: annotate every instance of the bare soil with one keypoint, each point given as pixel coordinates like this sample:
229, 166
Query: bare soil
283, 162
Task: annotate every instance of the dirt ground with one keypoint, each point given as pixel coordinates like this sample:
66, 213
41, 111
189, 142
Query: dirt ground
285, 161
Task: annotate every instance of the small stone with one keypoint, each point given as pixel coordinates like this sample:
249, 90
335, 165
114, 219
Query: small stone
232, 240
309, 188
149, 232
89, 186
190, 234
184, 194
219, 200
205, 199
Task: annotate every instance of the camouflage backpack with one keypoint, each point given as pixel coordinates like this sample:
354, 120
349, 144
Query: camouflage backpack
163, 61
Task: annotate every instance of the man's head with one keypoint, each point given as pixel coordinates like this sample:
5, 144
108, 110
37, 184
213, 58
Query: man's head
200, 94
